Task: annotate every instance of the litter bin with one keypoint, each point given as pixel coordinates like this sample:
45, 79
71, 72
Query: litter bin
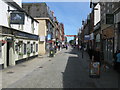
51, 54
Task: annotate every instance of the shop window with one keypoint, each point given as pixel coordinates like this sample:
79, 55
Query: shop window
33, 47
28, 48
24, 48
20, 48
36, 47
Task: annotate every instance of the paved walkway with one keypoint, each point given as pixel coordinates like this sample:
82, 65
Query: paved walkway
66, 70
14, 73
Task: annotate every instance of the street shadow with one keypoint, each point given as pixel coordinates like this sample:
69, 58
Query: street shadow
74, 51
76, 75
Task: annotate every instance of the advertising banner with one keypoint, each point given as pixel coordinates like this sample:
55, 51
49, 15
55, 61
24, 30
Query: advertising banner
87, 37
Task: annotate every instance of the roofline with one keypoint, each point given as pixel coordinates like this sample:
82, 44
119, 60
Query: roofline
15, 5
45, 18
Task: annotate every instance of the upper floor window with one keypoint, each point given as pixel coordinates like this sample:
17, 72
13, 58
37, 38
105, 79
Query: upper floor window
32, 26
113, 6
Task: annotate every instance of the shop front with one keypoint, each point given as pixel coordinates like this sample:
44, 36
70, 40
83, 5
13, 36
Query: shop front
108, 44
17, 45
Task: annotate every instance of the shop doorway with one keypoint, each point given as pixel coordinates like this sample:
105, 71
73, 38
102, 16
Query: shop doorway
8, 53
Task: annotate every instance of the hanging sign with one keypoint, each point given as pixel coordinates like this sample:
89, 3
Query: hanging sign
87, 37
17, 18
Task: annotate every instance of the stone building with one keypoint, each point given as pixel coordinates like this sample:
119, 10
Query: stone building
45, 17
108, 29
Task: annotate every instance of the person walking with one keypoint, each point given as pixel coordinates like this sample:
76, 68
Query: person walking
79, 47
118, 61
96, 56
66, 46
90, 52
59, 47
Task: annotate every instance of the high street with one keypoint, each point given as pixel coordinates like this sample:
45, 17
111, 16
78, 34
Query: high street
66, 70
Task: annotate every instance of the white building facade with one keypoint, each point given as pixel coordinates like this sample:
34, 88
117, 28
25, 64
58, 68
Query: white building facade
18, 41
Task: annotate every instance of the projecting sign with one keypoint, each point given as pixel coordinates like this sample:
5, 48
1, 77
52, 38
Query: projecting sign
87, 37
70, 35
42, 38
109, 18
17, 18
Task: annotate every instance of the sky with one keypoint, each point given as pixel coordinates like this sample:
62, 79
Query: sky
70, 14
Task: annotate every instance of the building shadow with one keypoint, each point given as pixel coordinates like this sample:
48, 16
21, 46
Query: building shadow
76, 74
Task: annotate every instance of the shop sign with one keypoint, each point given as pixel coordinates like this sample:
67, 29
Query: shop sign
17, 18
87, 37
19, 33
42, 38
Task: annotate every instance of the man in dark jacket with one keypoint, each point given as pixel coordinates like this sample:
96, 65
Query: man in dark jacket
90, 52
96, 56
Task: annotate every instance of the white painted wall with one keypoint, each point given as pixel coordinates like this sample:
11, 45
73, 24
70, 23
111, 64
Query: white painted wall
4, 21
4, 16
97, 14
36, 28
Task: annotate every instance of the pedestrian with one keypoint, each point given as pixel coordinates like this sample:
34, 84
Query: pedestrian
66, 46
90, 52
79, 47
59, 47
118, 61
96, 56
